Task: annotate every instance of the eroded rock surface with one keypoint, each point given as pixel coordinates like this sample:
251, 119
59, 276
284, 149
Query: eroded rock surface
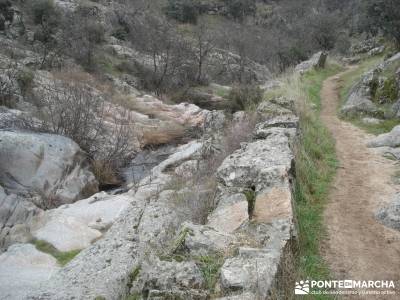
49, 168
76, 226
377, 86
360, 99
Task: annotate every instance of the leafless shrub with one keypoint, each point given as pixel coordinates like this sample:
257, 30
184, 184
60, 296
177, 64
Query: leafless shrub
153, 136
73, 110
79, 112
105, 173
8, 85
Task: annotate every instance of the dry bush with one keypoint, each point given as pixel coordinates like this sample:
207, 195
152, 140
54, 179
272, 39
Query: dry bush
105, 173
79, 112
83, 78
73, 110
8, 87
129, 102
244, 97
162, 135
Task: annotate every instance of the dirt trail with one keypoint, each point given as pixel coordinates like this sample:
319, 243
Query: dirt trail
357, 246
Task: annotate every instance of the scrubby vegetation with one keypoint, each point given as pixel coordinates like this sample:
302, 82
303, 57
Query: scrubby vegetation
245, 97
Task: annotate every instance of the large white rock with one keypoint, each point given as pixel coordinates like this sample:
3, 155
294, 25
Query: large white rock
359, 100
262, 164
390, 139
202, 240
75, 226
22, 268
251, 270
51, 167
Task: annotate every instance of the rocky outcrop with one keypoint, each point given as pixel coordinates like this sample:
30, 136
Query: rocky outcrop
364, 46
149, 240
49, 169
359, 100
376, 51
377, 86
15, 215
317, 61
76, 226
390, 215
148, 223
171, 280
271, 107
390, 139
13, 119
137, 253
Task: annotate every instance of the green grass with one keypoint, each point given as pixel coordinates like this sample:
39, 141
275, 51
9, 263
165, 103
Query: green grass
209, 267
316, 166
312, 83
315, 169
62, 257
383, 127
220, 91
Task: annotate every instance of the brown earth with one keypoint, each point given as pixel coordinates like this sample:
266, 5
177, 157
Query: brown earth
357, 246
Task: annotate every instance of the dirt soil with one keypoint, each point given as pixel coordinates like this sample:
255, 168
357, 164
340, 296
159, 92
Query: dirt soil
357, 247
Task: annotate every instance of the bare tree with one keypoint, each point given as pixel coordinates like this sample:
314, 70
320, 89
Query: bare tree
8, 84
82, 32
204, 45
168, 51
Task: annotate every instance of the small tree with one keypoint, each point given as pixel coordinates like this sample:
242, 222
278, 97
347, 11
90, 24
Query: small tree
185, 11
244, 97
8, 86
6, 13
239, 9
384, 15
42, 10
204, 45
83, 32
47, 17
